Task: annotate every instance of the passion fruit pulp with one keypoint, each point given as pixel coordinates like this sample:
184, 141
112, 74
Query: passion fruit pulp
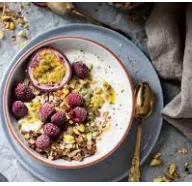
49, 70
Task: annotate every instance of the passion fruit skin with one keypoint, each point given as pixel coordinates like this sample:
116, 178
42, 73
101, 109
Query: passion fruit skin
33, 62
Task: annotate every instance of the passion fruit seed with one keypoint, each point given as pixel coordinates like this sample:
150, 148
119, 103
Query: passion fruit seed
49, 70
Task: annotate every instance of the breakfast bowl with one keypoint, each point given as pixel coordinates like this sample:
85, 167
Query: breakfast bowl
95, 94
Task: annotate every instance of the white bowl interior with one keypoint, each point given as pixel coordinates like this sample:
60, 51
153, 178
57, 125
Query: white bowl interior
106, 67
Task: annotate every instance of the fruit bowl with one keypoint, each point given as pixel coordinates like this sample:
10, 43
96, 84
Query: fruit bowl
106, 67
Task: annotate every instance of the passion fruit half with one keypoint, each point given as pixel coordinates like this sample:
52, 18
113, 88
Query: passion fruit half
49, 70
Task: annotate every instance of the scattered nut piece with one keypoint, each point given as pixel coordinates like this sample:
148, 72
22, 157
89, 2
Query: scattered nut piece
68, 138
81, 128
168, 176
172, 168
23, 34
157, 155
2, 35
73, 153
156, 162
158, 180
182, 151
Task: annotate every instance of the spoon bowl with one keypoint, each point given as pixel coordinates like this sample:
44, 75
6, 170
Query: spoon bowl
144, 101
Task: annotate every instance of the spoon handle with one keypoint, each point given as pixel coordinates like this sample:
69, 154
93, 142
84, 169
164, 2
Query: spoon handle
134, 173
94, 21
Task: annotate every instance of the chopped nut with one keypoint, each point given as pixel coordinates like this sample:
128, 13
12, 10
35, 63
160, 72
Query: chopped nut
89, 143
158, 180
6, 18
73, 153
89, 137
157, 155
155, 162
11, 26
69, 130
172, 168
71, 122
27, 136
182, 151
26, 26
79, 139
68, 138
50, 157
81, 128
76, 131
186, 164
31, 141
1, 34
23, 34
166, 179
168, 176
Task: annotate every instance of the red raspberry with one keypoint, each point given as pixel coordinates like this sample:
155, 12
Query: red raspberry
23, 92
51, 130
58, 118
43, 141
74, 99
19, 109
81, 70
78, 114
45, 111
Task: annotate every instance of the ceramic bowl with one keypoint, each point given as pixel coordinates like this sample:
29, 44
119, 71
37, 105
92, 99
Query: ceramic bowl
107, 66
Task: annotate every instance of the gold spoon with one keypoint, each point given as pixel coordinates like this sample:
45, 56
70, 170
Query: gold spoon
143, 108
68, 7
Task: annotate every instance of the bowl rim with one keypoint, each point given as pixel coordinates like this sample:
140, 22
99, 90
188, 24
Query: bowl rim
26, 148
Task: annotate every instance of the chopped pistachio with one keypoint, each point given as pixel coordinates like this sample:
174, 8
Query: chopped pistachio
76, 131
155, 162
158, 180
22, 33
2, 35
172, 168
157, 155
6, 18
81, 128
166, 179
10, 26
168, 176
68, 138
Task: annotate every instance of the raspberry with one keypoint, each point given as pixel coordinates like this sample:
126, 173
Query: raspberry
58, 118
23, 92
74, 99
81, 70
19, 109
78, 114
43, 141
51, 130
45, 111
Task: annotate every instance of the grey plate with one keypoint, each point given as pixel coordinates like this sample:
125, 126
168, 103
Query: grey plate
115, 167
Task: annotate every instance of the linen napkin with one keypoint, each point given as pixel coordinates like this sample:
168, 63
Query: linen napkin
169, 32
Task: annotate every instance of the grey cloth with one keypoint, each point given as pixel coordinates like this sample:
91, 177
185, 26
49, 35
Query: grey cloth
169, 31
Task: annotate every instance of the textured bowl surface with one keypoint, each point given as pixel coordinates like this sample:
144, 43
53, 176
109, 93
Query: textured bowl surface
106, 66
